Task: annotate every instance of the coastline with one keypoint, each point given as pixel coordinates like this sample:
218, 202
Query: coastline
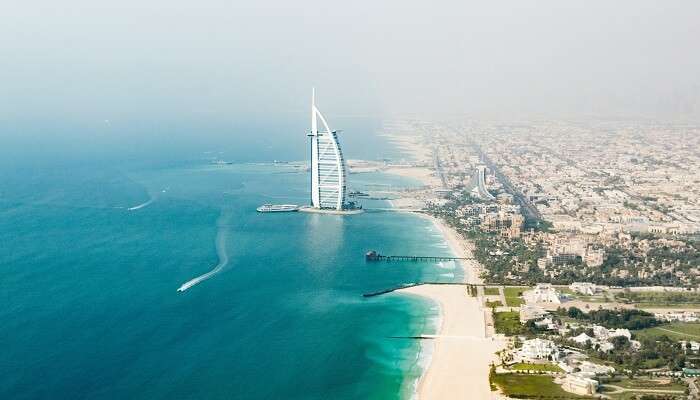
461, 352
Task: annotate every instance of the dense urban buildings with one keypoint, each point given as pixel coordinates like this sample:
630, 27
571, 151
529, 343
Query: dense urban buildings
607, 202
585, 235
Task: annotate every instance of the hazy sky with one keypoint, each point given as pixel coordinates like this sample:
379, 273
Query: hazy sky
111, 59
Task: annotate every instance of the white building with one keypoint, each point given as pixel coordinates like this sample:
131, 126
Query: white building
657, 289
547, 323
582, 339
327, 165
603, 333
580, 384
619, 332
537, 349
685, 316
605, 346
585, 288
542, 293
530, 311
597, 369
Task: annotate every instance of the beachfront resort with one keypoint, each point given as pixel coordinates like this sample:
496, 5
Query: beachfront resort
580, 281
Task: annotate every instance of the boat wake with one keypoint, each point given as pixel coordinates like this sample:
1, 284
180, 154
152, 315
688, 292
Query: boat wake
142, 205
151, 200
223, 259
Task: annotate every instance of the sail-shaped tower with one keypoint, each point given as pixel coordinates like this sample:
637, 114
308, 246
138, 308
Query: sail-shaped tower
477, 184
327, 164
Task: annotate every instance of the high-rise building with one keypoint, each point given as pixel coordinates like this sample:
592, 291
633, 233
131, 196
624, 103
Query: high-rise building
327, 164
477, 184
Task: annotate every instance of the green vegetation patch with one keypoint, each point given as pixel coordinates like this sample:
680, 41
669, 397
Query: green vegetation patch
492, 304
638, 383
675, 330
491, 291
536, 367
530, 386
665, 298
668, 389
513, 296
566, 290
628, 319
594, 299
507, 323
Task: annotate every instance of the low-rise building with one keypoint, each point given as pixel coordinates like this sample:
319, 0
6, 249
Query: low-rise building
603, 333
580, 384
685, 316
582, 339
597, 369
547, 323
542, 293
585, 288
531, 311
537, 349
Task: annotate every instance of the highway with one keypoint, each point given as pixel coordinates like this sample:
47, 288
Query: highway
530, 212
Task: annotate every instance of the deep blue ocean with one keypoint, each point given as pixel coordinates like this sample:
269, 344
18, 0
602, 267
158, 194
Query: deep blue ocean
101, 222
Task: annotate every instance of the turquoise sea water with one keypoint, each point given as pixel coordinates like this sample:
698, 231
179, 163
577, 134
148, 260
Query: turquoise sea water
89, 306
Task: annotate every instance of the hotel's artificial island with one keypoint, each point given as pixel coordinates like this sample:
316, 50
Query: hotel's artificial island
327, 171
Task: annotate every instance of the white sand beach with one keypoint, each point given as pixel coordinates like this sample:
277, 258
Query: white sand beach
410, 145
459, 367
423, 174
463, 351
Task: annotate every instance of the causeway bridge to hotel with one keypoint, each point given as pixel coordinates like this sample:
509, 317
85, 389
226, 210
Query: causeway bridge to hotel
391, 209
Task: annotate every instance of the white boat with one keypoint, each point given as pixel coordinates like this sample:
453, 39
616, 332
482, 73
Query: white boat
278, 208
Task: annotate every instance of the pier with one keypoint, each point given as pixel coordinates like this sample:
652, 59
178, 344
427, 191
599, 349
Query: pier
374, 256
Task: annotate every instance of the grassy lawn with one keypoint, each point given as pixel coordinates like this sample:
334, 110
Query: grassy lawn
596, 299
507, 323
513, 296
660, 384
618, 396
534, 386
565, 290
491, 304
648, 299
667, 305
639, 383
675, 330
536, 367
491, 291
654, 363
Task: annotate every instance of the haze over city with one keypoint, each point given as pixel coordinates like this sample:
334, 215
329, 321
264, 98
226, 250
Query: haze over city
350, 200
548, 58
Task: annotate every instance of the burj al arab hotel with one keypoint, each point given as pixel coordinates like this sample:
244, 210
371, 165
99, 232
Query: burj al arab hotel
328, 176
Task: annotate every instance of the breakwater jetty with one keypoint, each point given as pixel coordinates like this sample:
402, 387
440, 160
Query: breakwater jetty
408, 285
